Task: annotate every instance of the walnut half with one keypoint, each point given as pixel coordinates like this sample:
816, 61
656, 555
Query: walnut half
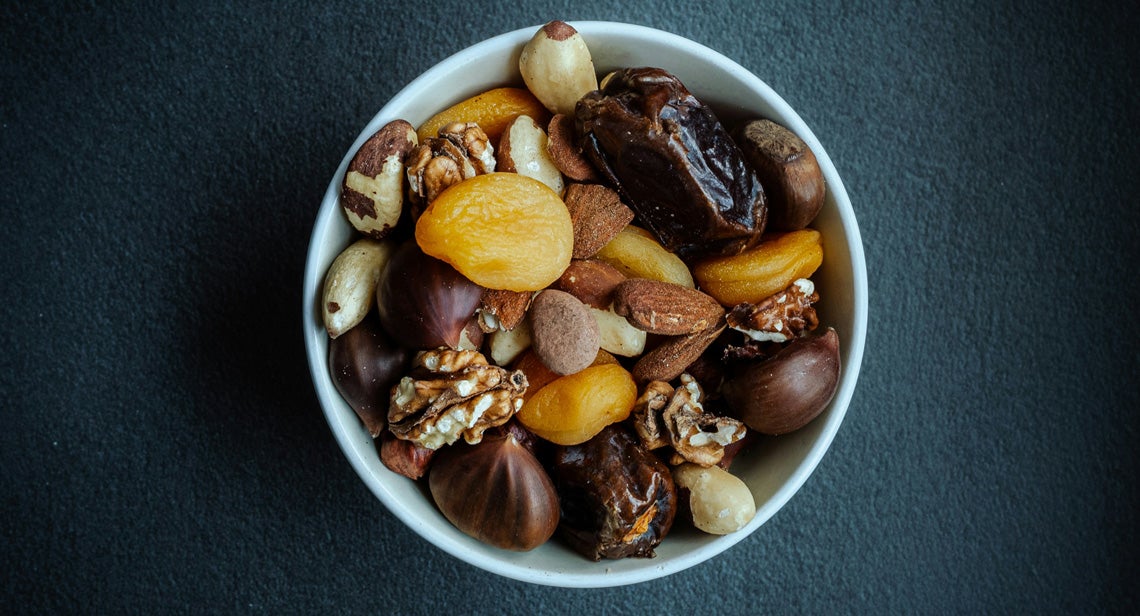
451, 394
675, 417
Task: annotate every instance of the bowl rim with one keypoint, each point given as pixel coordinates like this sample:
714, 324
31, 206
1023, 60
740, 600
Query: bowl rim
313, 330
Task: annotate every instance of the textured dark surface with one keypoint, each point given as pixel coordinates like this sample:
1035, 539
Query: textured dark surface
161, 445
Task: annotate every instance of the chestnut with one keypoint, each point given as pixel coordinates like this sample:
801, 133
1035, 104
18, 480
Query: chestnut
425, 303
787, 169
495, 491
365, 364
786, 391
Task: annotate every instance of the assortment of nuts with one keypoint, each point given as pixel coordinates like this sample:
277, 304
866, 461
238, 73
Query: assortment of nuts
572, 304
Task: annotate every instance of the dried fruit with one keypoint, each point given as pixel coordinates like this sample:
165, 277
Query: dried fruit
350, 284
673, 162
492, 110
500, 230
782, 394
424, 303
365, 363
636, 254
718, 502
372, 193
758, 273
618, 500
556, 66
788, 170
564, 334
496, 492
574, 408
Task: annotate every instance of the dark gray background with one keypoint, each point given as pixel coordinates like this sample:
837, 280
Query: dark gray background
162, 448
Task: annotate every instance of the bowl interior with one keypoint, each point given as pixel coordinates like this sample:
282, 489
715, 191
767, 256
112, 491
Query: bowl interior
774, 469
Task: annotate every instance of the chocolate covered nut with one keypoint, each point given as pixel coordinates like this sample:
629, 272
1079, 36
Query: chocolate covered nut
565, 334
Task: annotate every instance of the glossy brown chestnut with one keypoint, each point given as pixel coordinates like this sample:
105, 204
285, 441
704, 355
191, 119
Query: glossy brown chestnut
365, 364
424, 303
783, 393
495, 491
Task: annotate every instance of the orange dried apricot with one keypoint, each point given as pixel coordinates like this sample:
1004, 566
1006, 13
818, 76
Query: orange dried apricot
637, 254
492, 110
539, 376
500, 230
573, 408
768, 267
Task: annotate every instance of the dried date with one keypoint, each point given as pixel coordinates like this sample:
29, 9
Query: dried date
617, 499
676, 165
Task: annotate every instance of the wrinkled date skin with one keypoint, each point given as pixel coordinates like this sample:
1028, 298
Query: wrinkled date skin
618, 500
674, 163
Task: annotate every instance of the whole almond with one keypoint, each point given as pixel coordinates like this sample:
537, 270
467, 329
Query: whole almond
673, 356
597, 214
591, 281
665, 308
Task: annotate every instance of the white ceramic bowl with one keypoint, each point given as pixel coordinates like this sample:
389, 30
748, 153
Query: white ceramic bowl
774, 470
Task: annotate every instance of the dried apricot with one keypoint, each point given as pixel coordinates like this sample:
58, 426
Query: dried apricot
492, 110
500, 230
573, 408
637, 254
539, 376
762, 270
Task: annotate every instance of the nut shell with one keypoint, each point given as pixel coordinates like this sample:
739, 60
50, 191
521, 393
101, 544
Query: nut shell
424, 303
496, 492
782, 394
365, 363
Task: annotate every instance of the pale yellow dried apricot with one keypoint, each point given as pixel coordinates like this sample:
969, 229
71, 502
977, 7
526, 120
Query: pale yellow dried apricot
768, 267
573, 408
492, 110
500, 230
637, 254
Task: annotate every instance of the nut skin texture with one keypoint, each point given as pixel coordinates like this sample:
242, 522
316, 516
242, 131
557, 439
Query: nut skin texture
372, 193
424, 303
404, 457
788, 170
665, 308
674, 355
785, 392
597, 214
562, 141
495, 491
618, 500
591, 281
565, 334
365, 363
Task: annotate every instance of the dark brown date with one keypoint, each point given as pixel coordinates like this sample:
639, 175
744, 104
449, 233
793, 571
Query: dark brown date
365, 364
673, 162
617, 499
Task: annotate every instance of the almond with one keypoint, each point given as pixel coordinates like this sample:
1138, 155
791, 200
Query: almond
597, 214
562, 142
591, 281
500, 309
665, 308
673, 356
